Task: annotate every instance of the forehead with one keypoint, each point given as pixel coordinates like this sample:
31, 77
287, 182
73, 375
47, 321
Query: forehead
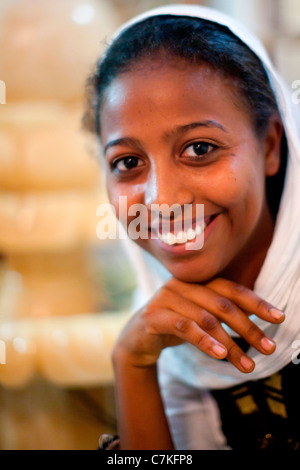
166, 93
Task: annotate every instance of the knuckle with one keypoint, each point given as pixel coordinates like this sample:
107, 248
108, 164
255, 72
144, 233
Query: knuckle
234, 352
147, 311
225, 305
209, 322
146, 318
254, 331
150, 330
261, 304
216, 282
149, 315
238, 289
172, 284
165, 296
162, 298
203, 341
169, 295
182, 325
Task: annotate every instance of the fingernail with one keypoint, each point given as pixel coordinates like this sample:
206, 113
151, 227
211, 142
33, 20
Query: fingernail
267, 344
276, 314
219, 350
246, 362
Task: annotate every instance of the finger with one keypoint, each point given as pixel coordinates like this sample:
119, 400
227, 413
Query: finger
235, 355
189, 314
197, 335
247, 300
172, 323
225, 311
238, 358
242, 296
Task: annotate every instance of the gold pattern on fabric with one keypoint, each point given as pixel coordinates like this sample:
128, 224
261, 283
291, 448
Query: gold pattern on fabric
246, 404
275, 381
276, 407
274, 395
244, 401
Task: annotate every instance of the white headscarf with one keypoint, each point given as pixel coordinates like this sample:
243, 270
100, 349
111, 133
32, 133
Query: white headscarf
279, 278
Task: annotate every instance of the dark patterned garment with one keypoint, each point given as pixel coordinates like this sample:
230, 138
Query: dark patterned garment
256, 415
263, 414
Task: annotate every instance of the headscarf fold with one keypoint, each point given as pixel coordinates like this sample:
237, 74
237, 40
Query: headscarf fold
279, 279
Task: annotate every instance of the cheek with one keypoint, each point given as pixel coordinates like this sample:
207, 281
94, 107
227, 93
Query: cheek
122, 196
238, 187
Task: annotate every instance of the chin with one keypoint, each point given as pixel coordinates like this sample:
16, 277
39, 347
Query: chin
196, 276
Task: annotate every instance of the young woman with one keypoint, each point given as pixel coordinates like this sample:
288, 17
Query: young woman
190, 111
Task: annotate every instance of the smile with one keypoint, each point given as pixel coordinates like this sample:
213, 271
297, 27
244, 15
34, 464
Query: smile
191, 238
182, 237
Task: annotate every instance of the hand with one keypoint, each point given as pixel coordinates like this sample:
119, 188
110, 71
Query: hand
186, 312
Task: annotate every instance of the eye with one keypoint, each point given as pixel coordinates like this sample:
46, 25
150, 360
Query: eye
198, 149
125, 164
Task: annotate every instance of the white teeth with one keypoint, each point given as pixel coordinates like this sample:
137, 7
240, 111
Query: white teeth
191, 234
171, 239
181, 237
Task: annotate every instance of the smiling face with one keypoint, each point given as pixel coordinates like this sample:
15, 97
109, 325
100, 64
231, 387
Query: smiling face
176, 133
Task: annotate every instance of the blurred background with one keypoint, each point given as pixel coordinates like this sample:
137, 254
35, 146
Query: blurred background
65, 294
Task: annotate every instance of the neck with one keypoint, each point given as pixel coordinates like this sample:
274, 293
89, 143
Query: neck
246, 267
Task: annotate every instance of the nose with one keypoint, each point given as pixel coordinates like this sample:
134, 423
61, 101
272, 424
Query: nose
165, 188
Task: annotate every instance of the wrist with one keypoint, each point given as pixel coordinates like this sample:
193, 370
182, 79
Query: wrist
122, 359
119, 356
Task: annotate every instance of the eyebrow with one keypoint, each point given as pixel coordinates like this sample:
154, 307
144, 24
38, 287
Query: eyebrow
193, 125
178, 130
122, 141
